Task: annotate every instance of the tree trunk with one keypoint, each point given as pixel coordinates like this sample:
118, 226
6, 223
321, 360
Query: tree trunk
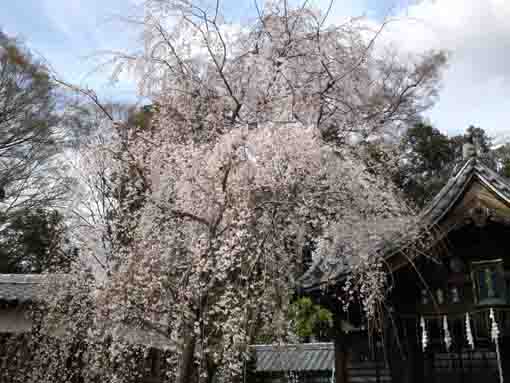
186, 371
212, 368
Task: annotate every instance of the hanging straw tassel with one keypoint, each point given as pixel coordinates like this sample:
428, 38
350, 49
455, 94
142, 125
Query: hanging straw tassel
447, 337
469, 333
424, 335
494, 327
494, 337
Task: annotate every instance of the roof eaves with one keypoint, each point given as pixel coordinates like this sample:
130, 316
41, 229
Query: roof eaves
453, 198
451, 191
498, 184
494, 189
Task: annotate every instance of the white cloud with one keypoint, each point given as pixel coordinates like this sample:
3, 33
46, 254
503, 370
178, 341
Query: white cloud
477, 81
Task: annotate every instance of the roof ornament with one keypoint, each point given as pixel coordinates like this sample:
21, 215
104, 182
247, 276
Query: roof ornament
469, 149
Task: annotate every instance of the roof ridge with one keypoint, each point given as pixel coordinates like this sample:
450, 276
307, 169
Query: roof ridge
295, 345
468, 167
22, 278
24, 274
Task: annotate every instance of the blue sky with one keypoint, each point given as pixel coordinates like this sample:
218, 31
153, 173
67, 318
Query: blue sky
476, 90
71, 33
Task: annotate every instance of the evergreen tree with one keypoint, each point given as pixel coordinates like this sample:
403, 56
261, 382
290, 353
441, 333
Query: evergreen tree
429, 157
34, 242
425, 164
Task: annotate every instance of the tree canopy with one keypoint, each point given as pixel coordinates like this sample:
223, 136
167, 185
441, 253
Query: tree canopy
258, 141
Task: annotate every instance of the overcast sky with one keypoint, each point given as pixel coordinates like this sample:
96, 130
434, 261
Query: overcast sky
476, 88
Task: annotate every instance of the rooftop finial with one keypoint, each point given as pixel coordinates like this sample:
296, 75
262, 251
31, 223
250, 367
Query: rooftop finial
469, 149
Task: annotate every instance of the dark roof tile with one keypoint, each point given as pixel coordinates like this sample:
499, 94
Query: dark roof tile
294, 357
20, 287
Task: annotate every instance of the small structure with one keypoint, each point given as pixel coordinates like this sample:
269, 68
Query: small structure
448, 313
17, 291
18, 294
310, 363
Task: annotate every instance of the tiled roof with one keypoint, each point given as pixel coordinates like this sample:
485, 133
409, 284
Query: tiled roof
448, 195
324, 271
20, 287
294, 357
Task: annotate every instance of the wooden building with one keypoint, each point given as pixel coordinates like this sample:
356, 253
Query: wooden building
447, 317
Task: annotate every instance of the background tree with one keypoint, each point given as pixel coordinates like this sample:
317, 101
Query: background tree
427, 160
502, 158
310, 320
479, 138
103, 173
32, 184
34, 242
